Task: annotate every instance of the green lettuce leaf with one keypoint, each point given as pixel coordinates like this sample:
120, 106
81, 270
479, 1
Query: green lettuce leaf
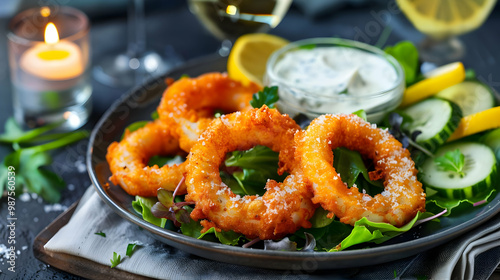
349, 164
142, 205
256, 166
193, 229
366, 231
406, 54
436, 204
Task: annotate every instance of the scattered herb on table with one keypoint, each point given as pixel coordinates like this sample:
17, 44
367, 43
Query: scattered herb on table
100, 233
116, 260
30, 158
130, 249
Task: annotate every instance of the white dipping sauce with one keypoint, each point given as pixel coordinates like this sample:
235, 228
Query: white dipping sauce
336, 70
335, 79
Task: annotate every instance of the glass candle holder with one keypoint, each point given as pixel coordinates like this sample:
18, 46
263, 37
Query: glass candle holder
49, 55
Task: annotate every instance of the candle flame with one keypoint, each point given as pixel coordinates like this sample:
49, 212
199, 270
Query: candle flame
51, 35
231, 10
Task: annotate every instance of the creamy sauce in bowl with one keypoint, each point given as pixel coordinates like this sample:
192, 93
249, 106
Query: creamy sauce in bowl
334, 77
337, 70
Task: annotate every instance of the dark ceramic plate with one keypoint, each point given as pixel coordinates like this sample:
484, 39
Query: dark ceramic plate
143, 100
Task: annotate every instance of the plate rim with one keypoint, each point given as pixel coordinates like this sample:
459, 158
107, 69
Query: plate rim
324, 259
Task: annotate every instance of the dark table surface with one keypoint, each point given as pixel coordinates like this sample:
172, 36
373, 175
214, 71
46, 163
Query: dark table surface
172, 27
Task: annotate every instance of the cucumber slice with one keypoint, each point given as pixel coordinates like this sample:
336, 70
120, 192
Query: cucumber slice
470, 96
492, 140
436, 118
480, 172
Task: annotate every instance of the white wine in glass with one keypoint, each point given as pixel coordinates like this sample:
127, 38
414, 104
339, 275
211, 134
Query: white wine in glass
229, 19
442, 21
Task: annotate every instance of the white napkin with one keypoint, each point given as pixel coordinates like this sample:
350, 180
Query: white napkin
454, 260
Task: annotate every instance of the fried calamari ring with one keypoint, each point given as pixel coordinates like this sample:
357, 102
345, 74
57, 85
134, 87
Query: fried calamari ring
128, 161
284, 208
403, 195
190, 103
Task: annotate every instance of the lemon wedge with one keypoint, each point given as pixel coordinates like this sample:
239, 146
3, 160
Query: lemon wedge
436, 81
484, 120
444, 18
248, 57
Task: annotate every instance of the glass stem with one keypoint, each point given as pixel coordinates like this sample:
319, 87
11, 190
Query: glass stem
137, 35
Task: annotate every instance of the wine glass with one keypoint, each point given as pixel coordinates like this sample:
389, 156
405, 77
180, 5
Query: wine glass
229, 19
137, 63
442, 21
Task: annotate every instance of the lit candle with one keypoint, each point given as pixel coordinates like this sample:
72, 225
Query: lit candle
53, 60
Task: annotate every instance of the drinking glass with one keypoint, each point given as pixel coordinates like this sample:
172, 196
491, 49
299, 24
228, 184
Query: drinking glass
135, 64
442, 22
229, 19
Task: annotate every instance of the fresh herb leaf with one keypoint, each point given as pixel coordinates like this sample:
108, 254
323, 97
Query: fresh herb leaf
194, 228
453, 161
130, 249
470, 74
360, 113
116, 260
100, 233
224, 237
252, 168
162, 160
367, 231
350, 165
155, 115
326, 237
167, 208
30, 162
406, 54
320, 219
267, 96
435, 203
14, 134
142, 205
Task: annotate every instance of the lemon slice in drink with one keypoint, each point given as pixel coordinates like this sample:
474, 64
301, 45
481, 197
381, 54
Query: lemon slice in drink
248, 57
444, 18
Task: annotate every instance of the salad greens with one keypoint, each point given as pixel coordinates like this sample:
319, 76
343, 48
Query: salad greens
30, 158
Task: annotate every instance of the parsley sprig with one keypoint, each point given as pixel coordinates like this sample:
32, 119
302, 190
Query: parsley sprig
30, 158
100, 233
453, 161
267, 96
116, 260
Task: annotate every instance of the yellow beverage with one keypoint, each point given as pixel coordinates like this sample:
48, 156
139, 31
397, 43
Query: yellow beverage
229, 19
446, 18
